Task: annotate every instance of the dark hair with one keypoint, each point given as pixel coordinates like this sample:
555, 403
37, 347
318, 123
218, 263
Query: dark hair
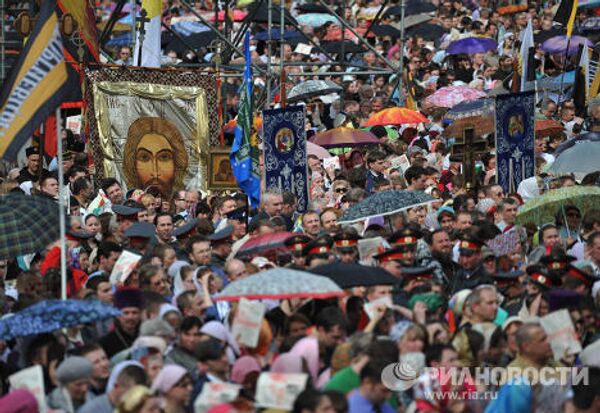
414, 172
188, 322
372, 370
107, 183
307, 400
94, 282
162, 214
435, 352
584, 392
106, 248
375, 156
189, 246
146, 272
80, 184
330, 317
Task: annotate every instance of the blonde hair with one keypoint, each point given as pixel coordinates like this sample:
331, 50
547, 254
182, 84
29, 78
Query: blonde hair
134, 399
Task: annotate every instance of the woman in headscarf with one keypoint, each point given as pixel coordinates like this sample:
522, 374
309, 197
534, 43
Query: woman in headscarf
174, 383
218, 331
139, 399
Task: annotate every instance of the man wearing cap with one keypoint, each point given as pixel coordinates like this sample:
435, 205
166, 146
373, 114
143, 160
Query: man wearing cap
295, 245
318, 251
73, 375
406, 241
391, 261
510, 286
557, 264
31, 172
220, 243
239, 219
577, 279
472, 272
126, 217
139, 236
131, 302
346, 246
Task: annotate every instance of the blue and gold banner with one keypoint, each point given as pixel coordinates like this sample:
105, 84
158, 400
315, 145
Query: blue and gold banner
284, 143
34, 88
515, 135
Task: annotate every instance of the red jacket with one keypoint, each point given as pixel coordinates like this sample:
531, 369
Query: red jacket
74, 283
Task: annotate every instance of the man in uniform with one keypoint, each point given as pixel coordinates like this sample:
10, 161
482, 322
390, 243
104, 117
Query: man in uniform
31, 172
472, 272
346, 246
318, 251
510, 286
295, 245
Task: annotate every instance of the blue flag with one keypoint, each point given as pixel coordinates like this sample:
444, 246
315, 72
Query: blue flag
244, 150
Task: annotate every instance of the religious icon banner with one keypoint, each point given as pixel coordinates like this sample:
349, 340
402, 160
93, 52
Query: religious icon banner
152, 128
284, 145
515, 135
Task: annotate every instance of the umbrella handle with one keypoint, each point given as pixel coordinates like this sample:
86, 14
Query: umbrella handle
562, 207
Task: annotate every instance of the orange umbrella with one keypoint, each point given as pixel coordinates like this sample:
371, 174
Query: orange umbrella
395, 116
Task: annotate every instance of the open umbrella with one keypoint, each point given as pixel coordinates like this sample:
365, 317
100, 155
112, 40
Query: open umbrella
558, 44
276, 35
582, 157
414, 20
259, 13
279, 284
411, 8
470, 108
27, 224
547, 127
429, 31
196, 40
591, 136
344, 138
451, 96
312, 8
262, 244
316, 19
383, 30
51, 315
312, 88
481, 124
471, 45
316, 150
384, 203
544, 35
395, 116
124, 39
336, 47
355, 275
542, 209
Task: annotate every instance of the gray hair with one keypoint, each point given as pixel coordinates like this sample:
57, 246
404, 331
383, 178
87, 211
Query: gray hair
525, 332
475, 296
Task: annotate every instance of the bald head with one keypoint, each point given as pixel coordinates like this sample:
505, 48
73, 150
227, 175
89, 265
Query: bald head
235, 269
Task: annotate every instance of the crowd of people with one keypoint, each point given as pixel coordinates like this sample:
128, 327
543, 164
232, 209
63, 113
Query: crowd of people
457, 301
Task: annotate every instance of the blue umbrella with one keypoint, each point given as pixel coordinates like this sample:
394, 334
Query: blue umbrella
187, 28
586, 137
51, 315
123, 40
558, 44
581, 157
316, 19
471, 45
276, 35
385, 203
471, 108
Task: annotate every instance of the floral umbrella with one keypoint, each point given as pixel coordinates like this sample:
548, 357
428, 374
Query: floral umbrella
543, 209
280, 284
51, 315
396, 116
450, 96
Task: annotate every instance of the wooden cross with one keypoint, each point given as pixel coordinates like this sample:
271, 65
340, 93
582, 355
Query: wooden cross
465, 152
142, 20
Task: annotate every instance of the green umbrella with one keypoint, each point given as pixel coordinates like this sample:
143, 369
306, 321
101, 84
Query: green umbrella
392, 133
27, 224
543, 209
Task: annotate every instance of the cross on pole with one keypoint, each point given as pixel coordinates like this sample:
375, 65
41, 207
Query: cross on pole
141, 21
466, 151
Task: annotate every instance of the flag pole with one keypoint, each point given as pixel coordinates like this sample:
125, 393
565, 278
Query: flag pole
269, 50
61, 207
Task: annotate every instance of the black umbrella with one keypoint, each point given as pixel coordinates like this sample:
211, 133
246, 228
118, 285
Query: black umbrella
428, 31
383, 30
196, 40
412, 7
336, 47
312, 8
544, 35
355, 275
257, 14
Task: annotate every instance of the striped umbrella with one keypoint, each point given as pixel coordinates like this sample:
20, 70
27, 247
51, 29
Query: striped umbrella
396, 116
280, 284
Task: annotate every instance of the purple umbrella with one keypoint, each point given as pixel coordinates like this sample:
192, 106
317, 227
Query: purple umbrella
558, 44
471, 45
